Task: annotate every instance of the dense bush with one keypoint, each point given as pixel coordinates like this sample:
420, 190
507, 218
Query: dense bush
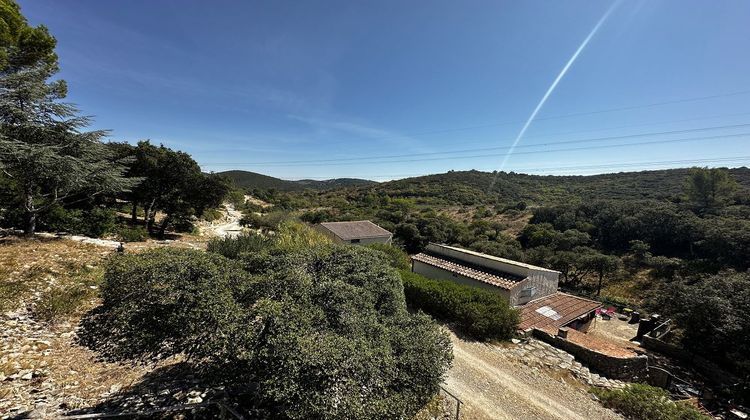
168, 301
234, 247
268, 221
211, 215
644, 402
710, 313
317, 216
323, 331
397, 257
131, 233
477, 312
93, 222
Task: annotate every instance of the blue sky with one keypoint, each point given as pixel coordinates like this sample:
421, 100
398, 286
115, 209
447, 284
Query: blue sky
290, 89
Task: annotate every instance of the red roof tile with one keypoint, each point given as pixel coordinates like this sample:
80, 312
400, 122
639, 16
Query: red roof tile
554, 311
495, 278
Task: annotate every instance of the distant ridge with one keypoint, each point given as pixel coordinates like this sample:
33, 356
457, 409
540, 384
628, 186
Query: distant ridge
247, 179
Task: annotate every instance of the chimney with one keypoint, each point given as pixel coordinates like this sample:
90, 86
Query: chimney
562, 332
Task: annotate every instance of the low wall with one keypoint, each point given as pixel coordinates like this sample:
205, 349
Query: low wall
630, 368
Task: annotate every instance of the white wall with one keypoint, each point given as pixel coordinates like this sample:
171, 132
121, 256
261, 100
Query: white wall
432, 272
542, 283
367, 241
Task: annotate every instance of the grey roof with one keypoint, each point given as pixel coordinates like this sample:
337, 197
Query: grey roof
360, 229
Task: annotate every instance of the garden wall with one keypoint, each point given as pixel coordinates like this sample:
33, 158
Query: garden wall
624, 368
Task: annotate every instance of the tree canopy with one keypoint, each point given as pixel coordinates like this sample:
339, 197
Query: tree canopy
44, 152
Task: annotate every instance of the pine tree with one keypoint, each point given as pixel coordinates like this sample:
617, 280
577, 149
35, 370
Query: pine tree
44, 149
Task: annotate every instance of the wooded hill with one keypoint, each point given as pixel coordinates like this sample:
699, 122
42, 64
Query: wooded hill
251, 180
475, 187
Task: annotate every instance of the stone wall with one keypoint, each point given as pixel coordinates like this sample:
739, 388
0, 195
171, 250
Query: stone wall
630, 368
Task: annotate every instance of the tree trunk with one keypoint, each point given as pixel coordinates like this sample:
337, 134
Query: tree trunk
134, 213
599, 287
150, 215
163, 227
30, 226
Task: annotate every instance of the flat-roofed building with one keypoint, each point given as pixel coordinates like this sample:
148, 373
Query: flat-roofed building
361, 232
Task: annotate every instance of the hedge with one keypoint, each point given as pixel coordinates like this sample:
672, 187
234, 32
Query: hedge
476, 312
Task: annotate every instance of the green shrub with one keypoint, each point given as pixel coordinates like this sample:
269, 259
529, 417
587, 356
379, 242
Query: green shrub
323, 331
132, 234
168, 301
233, 247
266, 221
60, 302
293, 236
644, 402
317, 216
477, 312
210, 215
397, 257
94, 222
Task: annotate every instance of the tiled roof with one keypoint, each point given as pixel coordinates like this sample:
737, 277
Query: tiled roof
554, 311
495, 278
356, 230
492, 257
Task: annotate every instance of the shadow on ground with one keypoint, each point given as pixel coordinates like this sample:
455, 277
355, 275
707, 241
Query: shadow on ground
178, 390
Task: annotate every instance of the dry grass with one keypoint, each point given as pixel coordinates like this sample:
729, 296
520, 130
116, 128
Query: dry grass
31, 268
45, 286
631, 289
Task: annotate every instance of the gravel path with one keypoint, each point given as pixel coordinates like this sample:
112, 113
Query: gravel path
493, 385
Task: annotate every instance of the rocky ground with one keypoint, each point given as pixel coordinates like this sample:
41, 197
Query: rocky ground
539, 354
526, 381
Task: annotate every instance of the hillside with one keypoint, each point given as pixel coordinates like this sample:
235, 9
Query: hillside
247, 179
475, 187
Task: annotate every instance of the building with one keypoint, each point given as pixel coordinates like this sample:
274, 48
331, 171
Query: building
362, 232
518, 282
530, 288
556, 311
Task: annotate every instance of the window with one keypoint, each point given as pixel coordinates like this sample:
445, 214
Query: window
355, 241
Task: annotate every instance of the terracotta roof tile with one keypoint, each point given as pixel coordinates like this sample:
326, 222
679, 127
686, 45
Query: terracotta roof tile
554, 311
485, 275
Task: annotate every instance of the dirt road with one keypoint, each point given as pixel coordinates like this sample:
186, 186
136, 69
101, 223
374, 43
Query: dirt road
494, 386
229, 226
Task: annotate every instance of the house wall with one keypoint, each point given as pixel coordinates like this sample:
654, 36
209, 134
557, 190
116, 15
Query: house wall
328, 234
367, 241
541, 283
438, 273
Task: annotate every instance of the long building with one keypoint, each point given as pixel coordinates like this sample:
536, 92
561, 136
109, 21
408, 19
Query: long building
520, 283
530, 288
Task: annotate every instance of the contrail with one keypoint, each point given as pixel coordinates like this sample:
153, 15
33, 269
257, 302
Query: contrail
553, 86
